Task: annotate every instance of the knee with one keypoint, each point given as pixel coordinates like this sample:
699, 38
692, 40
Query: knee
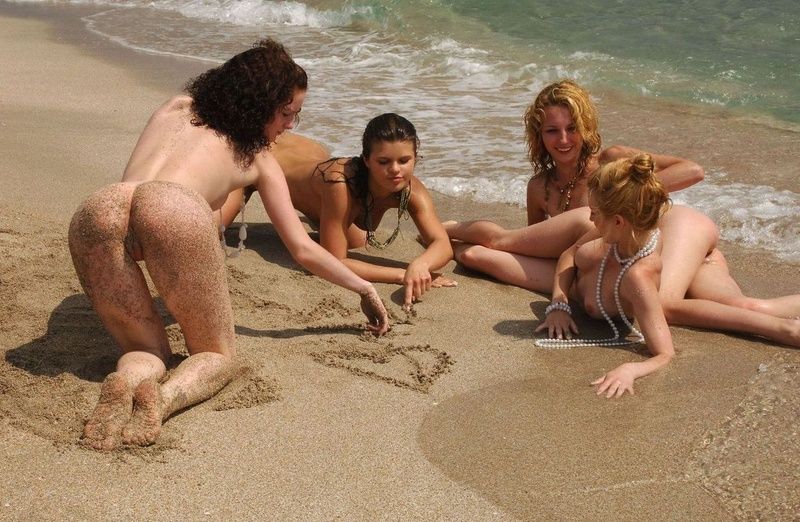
751, 304
669, 306
467, 255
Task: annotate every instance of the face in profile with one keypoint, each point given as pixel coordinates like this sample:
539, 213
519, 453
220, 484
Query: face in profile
391, 165
285, 117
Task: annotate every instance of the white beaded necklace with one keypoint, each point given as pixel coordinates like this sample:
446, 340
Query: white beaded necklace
617, 340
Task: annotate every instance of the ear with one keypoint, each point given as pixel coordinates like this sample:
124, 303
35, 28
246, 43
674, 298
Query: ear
619, 221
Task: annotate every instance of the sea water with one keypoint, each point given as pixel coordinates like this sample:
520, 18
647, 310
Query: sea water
691, 75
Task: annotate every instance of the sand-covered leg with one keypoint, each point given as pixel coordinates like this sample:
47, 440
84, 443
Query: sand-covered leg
182, 254
104, 426
196, 379
102, 246
144, 425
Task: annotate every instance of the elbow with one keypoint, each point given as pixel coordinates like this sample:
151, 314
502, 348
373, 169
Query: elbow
303, 254
696, 174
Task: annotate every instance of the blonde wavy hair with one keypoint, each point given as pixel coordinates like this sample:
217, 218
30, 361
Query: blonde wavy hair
568, 94
629, 187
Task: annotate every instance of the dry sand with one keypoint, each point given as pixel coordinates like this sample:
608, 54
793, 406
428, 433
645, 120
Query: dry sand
454, 415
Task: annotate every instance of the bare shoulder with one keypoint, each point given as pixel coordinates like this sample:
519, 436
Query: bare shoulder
644, 273
421, 198
179, 104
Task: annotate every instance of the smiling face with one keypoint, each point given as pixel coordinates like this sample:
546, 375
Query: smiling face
285, 117
391, 165
560, 136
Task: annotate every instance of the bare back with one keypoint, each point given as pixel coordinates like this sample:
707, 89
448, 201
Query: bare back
299, 156
172, 149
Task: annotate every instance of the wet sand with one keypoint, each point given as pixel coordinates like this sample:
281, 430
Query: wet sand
454, 415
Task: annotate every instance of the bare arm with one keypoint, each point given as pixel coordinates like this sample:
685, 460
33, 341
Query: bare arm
231, 208
559, 323
638, 287
534, 201
675, 173
417, 277
278, 204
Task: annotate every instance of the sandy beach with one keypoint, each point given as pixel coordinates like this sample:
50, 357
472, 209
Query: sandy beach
454, 415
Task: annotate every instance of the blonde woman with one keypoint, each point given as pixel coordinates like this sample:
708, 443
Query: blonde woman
561, 131
657, 265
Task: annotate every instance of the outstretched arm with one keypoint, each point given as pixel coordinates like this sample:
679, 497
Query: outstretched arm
638, 287
675, 173
278, 204
417, 278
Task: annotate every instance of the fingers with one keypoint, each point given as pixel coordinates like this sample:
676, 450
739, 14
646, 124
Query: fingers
443, 282
611, 387
409, 295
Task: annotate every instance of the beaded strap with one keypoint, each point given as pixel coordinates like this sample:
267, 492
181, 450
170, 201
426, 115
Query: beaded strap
242, 234
617, 340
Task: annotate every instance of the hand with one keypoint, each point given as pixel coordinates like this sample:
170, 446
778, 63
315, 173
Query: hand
377, 318
440, 281
616, 382
417, 280
559, 325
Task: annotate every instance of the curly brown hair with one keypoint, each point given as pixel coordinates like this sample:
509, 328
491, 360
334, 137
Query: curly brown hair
568, 94
241, 96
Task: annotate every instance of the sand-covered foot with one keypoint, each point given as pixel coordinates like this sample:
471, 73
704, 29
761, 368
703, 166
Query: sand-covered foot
145, 423
113, 410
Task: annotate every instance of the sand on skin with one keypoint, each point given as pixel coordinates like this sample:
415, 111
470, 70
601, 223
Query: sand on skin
316, 424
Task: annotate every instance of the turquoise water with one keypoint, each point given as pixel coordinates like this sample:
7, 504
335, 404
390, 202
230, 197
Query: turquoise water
736, 54
464, 71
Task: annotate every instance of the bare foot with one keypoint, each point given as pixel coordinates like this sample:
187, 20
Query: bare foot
145, 423
102, 429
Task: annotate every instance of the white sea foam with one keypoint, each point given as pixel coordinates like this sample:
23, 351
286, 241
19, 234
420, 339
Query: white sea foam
757, 216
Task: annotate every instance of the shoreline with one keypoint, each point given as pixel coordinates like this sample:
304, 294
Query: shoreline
321, 427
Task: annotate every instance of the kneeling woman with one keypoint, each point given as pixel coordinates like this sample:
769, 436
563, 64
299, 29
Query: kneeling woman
347, 197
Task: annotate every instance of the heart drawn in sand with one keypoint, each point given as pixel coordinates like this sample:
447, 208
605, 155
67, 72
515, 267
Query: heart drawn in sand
415, 367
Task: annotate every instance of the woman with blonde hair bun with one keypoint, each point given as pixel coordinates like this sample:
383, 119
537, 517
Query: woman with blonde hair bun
659, 265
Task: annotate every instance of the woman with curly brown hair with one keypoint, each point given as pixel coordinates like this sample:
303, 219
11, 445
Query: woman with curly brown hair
561, 132
194, 150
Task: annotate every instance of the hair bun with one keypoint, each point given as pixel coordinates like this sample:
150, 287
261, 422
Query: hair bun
642, 167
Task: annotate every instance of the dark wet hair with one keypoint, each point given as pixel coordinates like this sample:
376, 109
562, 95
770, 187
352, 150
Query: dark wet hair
241, 96
388, 127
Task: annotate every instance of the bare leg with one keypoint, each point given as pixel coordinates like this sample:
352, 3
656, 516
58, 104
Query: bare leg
196, 379
180, 250
713, 281
532, 273
116, 286
692, 266
547, 239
